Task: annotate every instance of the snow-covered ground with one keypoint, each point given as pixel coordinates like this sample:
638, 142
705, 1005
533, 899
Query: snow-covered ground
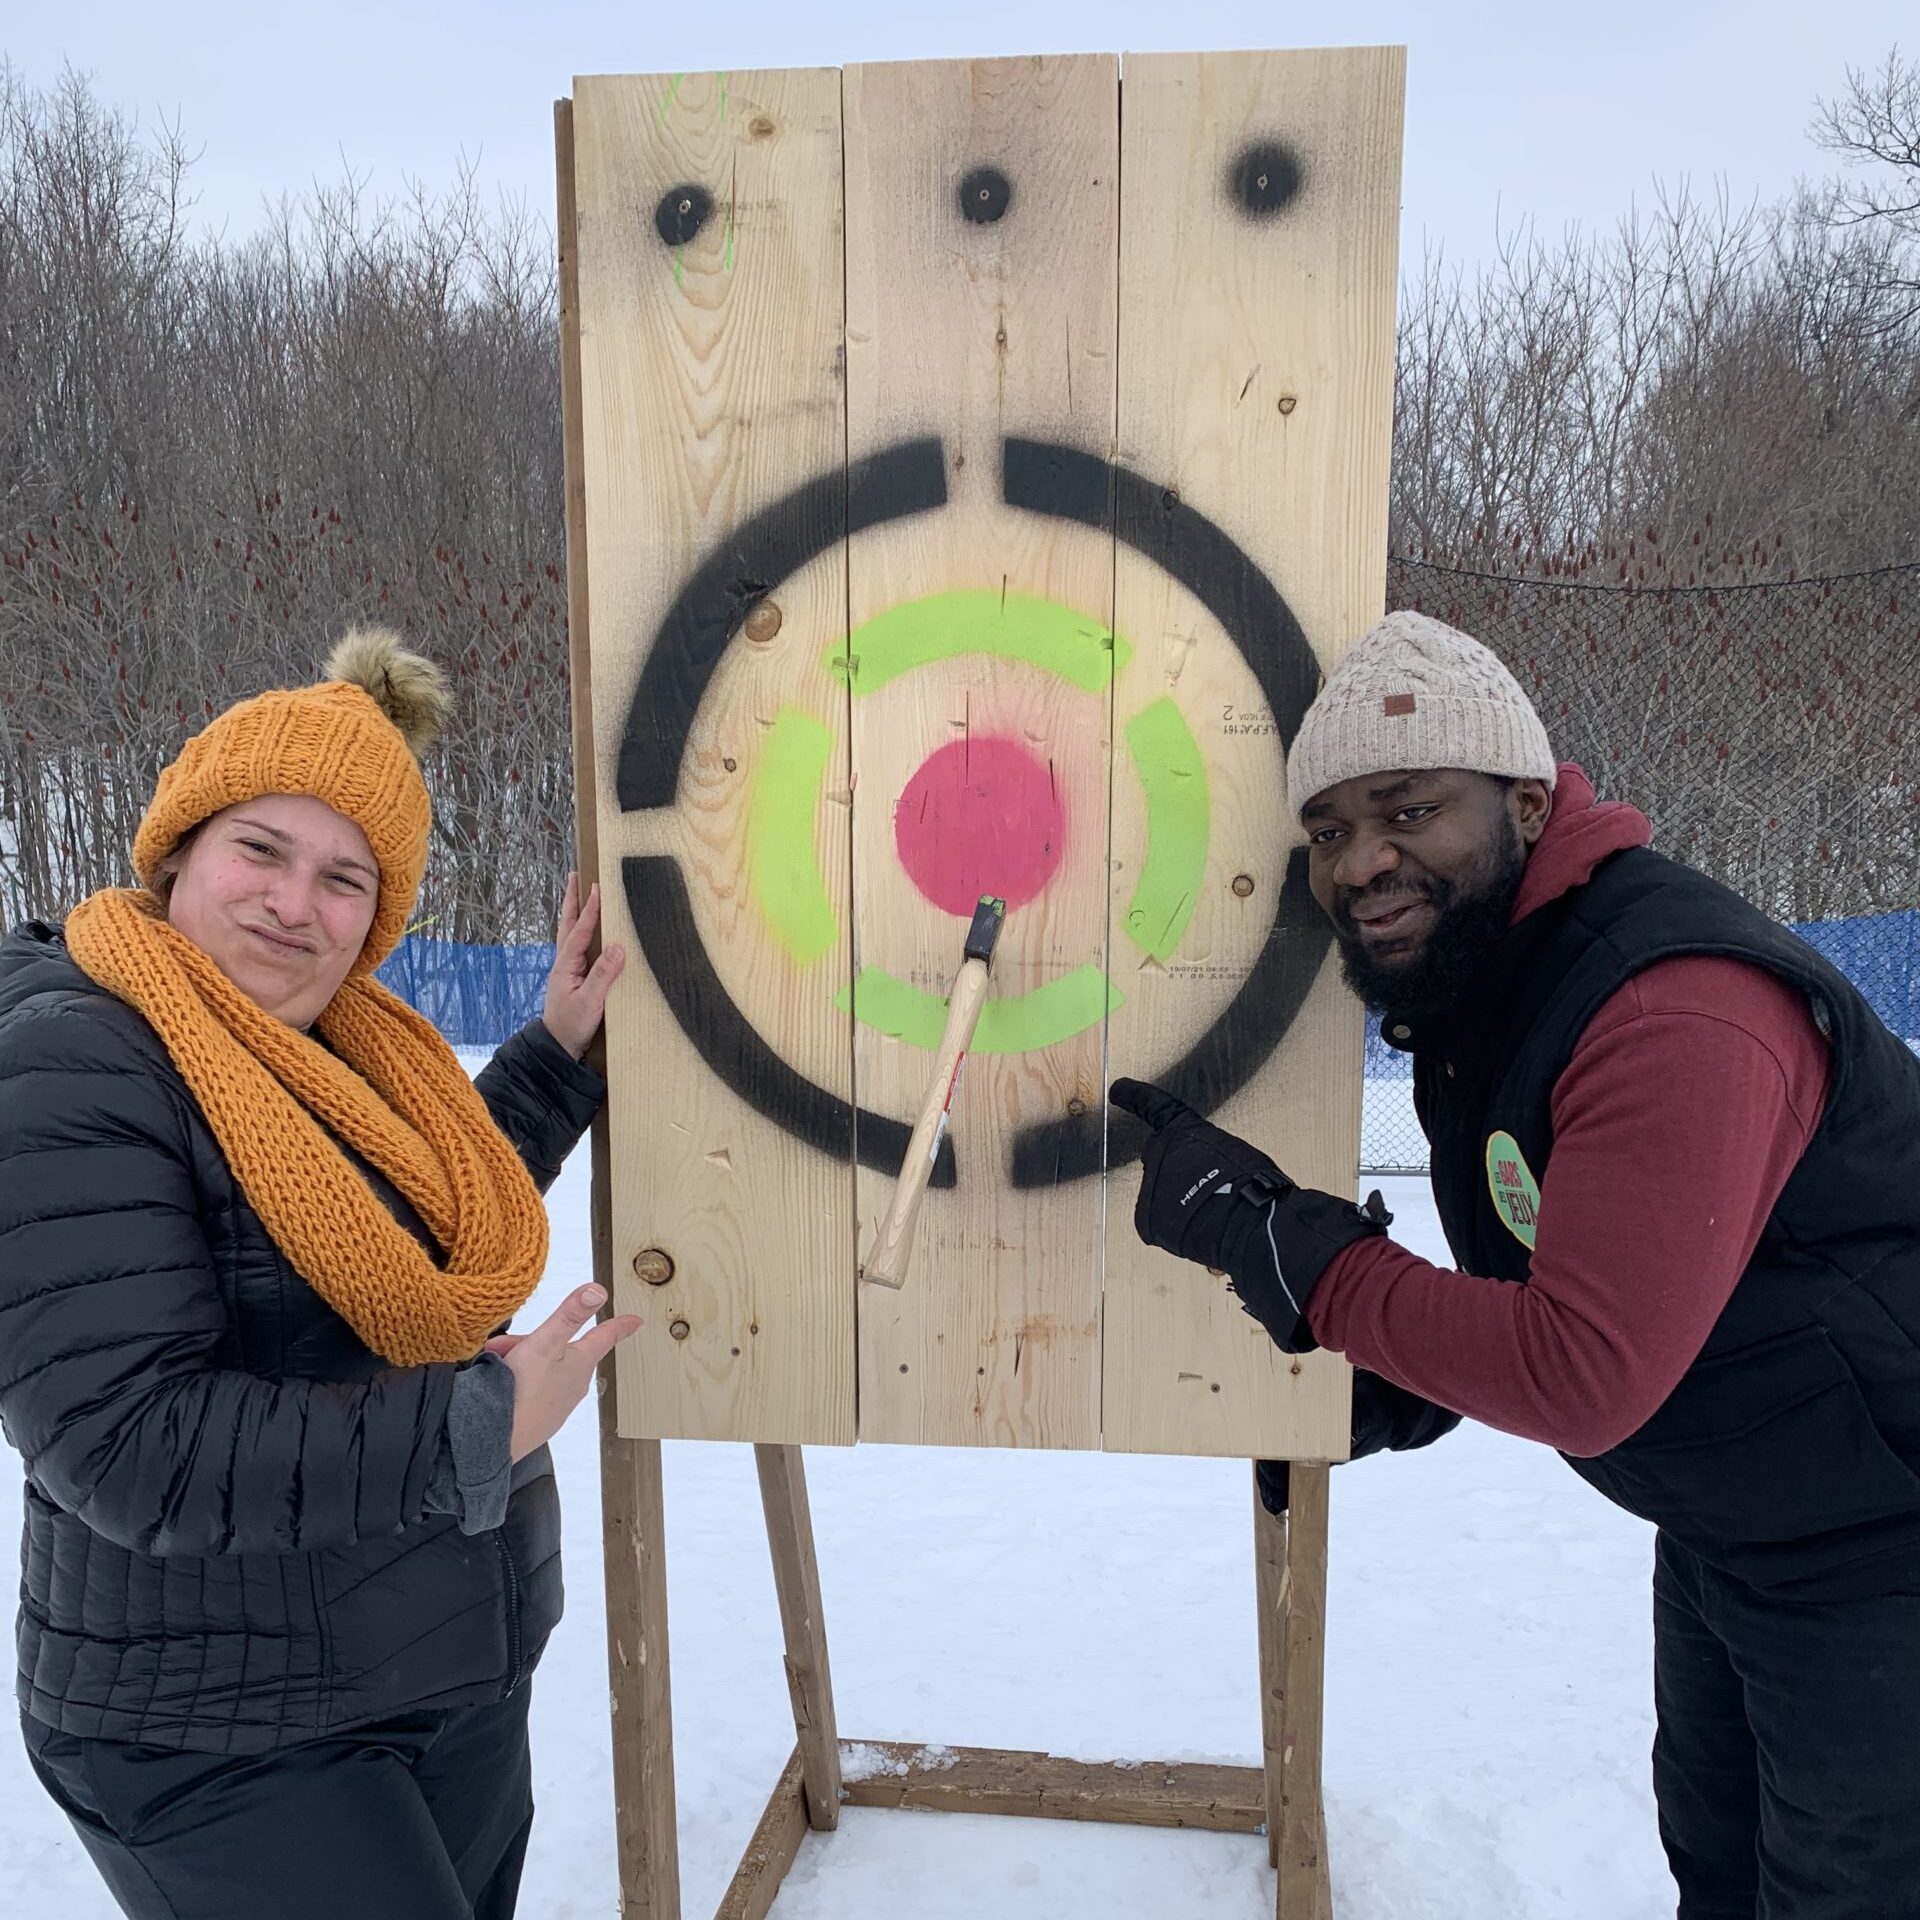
1488, 1692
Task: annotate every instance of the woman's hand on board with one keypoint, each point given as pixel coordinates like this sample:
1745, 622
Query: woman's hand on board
552, 1369
577, 988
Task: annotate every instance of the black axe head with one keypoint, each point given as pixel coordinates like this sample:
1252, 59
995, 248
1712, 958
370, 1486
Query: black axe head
988, 918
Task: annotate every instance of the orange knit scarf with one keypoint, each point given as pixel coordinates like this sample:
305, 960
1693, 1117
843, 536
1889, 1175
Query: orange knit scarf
278, 1102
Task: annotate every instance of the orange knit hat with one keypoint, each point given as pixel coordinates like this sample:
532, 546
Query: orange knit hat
350, 741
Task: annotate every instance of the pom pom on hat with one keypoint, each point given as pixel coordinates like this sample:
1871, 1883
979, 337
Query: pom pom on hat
407, 687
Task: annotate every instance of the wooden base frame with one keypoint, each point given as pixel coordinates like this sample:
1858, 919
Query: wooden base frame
824, 1773
1282, 1796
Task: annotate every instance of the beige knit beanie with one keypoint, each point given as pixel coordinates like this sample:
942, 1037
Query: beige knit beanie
1416, 693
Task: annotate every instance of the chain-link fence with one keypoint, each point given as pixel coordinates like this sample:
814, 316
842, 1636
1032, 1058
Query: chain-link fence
1768, 730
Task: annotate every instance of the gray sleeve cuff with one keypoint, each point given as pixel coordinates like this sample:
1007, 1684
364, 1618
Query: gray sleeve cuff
474, 1473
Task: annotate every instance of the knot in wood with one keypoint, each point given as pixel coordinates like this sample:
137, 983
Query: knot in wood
654, 1266
763, 621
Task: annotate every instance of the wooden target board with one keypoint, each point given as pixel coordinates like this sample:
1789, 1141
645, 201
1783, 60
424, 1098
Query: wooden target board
977, 482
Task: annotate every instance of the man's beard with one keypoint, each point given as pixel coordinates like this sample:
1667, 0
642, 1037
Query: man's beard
1470, 917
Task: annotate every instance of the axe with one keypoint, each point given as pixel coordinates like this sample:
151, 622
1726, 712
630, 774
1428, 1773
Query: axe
893, 1246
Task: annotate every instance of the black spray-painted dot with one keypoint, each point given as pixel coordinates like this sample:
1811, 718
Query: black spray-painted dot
682, 212
985, 195
1265, 177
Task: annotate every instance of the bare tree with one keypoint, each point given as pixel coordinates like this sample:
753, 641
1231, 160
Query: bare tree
1754, 371
1613, 454
1875, 129
212, 458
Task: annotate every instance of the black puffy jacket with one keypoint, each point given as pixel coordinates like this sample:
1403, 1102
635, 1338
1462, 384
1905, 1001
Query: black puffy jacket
226, 1547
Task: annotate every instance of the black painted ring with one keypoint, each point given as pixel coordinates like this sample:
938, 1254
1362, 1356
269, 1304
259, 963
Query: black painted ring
741, 570
704, 620
1222, 576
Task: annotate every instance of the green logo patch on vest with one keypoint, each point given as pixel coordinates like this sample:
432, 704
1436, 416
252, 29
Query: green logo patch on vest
1516, 1194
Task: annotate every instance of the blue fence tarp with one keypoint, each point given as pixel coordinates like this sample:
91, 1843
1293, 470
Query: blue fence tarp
1878, 952
476, 996
479, 995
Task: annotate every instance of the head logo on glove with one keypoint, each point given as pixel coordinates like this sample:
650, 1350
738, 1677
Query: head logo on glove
1209, 1197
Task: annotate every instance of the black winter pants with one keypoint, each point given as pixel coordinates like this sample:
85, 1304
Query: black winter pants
421, 1817
1787, 1761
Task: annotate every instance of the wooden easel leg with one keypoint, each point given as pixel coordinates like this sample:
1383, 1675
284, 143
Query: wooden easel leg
1270, 1568
631, 1510
796, 1579
1305, 1888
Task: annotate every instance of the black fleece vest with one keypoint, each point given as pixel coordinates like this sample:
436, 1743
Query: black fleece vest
1789, 1453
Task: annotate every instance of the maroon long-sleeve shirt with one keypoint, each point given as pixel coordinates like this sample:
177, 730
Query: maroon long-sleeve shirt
1685, 1105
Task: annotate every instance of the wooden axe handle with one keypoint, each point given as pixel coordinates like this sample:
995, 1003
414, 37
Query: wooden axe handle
893, 1246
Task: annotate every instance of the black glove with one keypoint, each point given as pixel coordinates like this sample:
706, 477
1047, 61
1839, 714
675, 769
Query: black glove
1210, 1197
1386, 1419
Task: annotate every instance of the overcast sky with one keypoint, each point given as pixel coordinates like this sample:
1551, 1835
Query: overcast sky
1515, 108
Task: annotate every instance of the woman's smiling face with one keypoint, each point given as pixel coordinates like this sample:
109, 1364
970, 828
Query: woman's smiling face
280, 893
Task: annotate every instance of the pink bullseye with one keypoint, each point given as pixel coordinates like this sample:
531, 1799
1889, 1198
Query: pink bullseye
980, 816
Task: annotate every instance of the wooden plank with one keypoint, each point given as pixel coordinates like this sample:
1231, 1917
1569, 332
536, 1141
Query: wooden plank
710, 262
770, 1853
1269, 1579
1305, 1891
1256, 394
633, 1535
981, 207
796, 1580
1046, 1786
632, 1506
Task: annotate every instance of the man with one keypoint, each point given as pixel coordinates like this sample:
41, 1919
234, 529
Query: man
1677, 1159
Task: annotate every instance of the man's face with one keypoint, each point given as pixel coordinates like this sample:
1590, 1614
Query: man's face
1418, 873
280, 893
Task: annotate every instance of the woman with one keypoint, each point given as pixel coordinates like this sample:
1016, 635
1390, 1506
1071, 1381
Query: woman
292, 1536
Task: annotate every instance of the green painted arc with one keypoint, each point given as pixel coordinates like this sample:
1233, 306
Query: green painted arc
1167, 758
1010, 626
783, 871
1020, 1024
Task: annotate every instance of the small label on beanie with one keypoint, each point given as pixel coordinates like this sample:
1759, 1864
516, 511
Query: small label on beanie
1397, 705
